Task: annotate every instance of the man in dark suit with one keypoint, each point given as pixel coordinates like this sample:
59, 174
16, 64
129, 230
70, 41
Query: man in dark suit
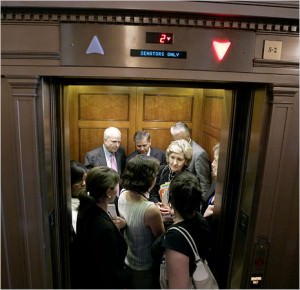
110, 154
142, 142
200, 164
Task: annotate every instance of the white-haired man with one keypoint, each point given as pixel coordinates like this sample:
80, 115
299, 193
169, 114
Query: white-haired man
110, 154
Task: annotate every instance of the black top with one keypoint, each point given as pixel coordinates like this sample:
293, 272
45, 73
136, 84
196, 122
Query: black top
100, 250
200, 231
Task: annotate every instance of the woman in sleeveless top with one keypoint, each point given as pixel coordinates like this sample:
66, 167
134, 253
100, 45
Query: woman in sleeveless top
144, 221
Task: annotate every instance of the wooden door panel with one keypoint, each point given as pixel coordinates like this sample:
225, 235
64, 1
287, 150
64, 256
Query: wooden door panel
167, 108
160, 108
104, 107
94, 108
89, 139
213, 111
213, 103
160, 138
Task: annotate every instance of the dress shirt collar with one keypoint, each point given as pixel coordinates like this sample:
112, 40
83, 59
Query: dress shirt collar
107, 153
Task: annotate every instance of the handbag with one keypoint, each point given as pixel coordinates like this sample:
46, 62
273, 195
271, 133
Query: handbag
202, 278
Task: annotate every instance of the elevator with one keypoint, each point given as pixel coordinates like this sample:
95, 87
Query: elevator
67, 74
214, 115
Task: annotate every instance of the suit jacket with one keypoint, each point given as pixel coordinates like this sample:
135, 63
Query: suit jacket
200, 166
96, 157
208, 196
155, 152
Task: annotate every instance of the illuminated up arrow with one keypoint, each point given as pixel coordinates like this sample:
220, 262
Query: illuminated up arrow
221, 48
95, 46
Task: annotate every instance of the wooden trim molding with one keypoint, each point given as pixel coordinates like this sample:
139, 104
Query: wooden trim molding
21, 99
283, 95
23, 85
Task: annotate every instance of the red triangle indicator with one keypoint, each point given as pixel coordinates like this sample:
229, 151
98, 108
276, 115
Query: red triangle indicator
221, 48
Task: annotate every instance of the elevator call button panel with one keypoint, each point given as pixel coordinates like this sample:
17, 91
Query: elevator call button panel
136, 46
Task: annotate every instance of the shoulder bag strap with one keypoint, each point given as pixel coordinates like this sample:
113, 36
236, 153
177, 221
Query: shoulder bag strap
189, 239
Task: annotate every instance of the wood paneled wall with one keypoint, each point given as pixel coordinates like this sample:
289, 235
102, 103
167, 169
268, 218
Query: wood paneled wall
213, 104
155, 109
94, 108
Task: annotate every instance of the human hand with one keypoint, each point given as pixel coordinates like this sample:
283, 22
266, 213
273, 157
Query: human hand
164, 209
209, 211
119, 222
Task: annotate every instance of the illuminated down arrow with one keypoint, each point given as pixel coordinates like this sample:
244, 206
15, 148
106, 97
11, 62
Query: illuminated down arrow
95, 46
221, 48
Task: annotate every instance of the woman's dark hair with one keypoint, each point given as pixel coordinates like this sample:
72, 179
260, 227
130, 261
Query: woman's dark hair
99, 180
77, 171
139, 173
185, 193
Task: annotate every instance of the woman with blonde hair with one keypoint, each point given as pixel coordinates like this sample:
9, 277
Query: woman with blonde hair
178, 155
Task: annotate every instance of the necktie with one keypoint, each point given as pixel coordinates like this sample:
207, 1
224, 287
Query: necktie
113, 165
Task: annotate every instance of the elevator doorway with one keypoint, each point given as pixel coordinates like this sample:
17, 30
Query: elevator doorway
214, 115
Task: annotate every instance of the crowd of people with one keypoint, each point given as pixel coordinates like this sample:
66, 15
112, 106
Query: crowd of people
150, 192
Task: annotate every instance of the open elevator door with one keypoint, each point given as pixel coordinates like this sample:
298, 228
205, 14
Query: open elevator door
235, 109
89, 109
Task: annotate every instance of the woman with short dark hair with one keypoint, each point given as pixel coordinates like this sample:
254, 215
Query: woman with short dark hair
144, 221
100, 246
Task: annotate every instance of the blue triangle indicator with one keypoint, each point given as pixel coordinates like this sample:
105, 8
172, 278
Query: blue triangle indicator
95, 46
